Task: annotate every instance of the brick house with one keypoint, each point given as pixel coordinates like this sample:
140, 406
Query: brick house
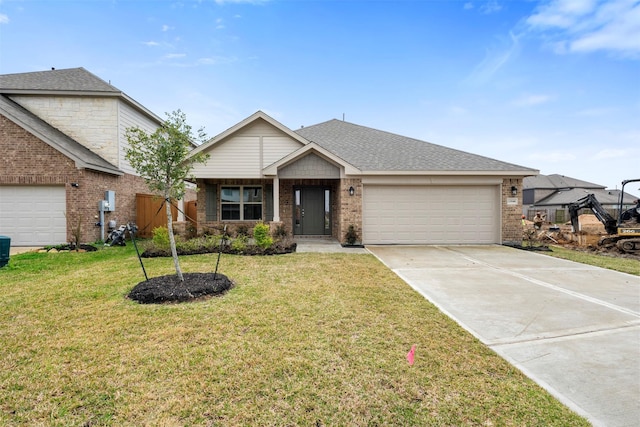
552, 195
319, 180
62, 138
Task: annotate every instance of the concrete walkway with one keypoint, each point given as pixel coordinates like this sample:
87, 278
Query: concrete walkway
572, 328
15, 250
324, 245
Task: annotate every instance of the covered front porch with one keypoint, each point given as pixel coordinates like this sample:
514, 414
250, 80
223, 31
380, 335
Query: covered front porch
301, 207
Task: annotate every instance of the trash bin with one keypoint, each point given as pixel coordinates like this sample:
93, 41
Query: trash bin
5, 246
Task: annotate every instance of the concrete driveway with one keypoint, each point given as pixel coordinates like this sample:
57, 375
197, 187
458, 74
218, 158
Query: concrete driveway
572, 328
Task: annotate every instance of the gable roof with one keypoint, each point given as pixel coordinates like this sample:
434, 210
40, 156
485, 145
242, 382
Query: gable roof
68, 82
372, 150
83, 157
258, 115
311, 147
566, 197
557, 182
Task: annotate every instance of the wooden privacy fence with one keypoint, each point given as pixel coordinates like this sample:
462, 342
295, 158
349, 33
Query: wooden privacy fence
147, 215
191, 213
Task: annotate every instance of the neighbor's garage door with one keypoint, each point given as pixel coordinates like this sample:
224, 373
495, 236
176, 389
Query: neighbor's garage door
33, 215
431, 214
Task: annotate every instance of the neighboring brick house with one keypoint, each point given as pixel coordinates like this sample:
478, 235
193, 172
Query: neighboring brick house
552, 195
62, 139
321, 179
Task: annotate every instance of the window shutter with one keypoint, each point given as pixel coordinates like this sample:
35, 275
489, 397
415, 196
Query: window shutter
211, 202
268, 202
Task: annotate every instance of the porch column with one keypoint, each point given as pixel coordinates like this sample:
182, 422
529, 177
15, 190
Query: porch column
276, 199
180, 210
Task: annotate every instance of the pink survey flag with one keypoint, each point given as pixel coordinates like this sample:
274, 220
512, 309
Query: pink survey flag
411, 355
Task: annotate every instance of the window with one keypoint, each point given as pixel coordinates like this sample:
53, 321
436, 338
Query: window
241, 203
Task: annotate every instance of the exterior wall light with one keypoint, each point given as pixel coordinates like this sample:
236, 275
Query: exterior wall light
352, 191
75, 185
514, 190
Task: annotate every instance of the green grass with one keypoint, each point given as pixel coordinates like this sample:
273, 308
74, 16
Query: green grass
625, 265
302, 339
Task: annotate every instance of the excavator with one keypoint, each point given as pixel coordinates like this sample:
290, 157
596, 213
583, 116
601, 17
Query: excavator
624, 233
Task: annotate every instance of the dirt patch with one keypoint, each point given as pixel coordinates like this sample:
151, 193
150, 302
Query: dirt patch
169, 289
587, 240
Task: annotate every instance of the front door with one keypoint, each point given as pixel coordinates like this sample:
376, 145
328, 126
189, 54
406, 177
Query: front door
312, 214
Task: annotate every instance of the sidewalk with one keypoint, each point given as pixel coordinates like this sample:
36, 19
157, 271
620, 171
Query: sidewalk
15, 250
324, 244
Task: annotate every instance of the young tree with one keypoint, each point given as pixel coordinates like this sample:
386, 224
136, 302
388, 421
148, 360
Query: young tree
161, 159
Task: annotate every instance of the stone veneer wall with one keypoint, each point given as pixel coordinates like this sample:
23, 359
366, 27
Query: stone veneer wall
93, 122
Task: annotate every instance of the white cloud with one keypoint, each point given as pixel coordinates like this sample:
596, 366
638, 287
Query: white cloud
175, 55
491, 6
561, 13
610, 153
4, 19
530, 100
589, 25
494, 61
166, 28
216, 60
151, 43
468, 6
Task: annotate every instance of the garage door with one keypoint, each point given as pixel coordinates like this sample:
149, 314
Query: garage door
431, 214
33, 215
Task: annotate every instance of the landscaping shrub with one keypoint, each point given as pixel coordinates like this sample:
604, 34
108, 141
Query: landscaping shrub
240, 243
280, 233
261, 235
351, 236
242, 230
160, 237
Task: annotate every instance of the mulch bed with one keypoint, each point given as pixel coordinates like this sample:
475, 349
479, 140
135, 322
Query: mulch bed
226, 249
169, 289
72, 247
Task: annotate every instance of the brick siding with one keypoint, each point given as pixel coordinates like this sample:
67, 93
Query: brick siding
346, 210
511, 214
26, 160
351, 207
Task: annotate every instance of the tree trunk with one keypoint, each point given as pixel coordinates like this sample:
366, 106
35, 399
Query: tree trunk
172, 239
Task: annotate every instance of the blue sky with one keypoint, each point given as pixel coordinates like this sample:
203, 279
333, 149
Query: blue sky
551, 85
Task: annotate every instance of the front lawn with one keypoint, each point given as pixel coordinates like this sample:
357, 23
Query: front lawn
302, 339
625, 265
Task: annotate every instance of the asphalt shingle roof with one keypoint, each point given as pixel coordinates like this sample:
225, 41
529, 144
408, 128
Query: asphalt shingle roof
370, 149
566, 197
67, 80
556, 181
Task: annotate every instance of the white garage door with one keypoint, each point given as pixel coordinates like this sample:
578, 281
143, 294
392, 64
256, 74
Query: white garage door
431, 214
33, 215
